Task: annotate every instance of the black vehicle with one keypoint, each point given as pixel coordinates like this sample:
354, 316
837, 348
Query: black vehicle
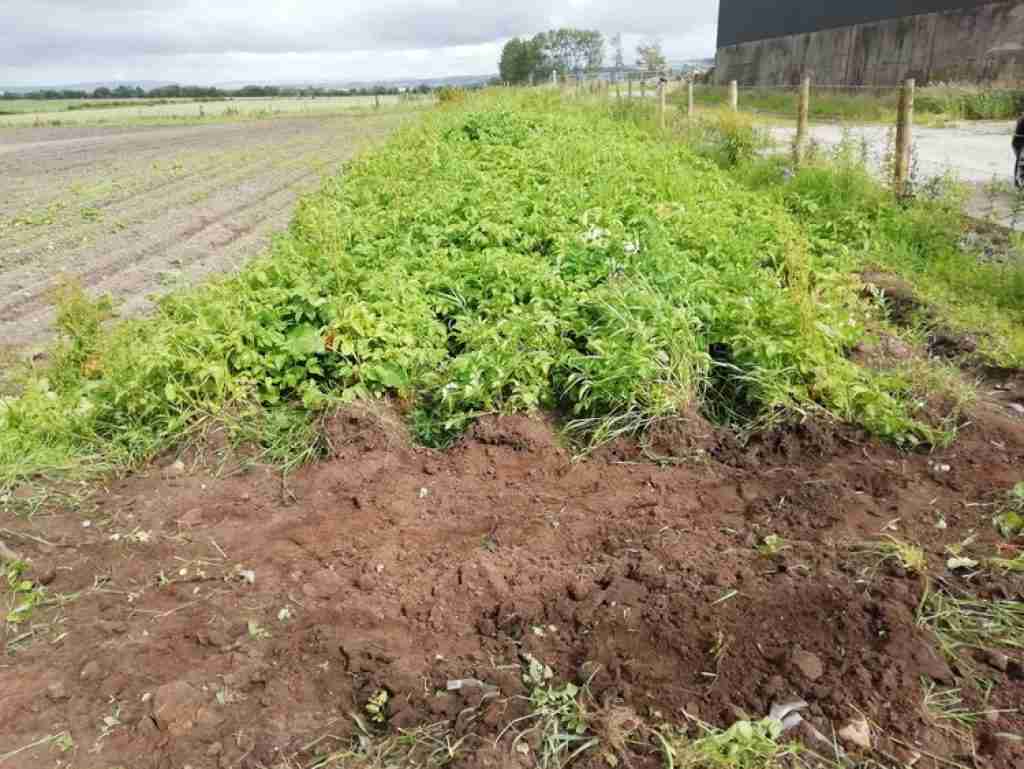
1018, 151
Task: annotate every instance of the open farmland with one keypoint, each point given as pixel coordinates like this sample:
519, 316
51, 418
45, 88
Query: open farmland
135, 212
169, 111
540, 439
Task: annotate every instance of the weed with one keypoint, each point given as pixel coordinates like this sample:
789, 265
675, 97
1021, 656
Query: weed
25, 595
909, 556
947, 705
1009, 522
62, 741
744, 745
257, 632
971, 623
427, 747
772, 545
559, 721
377, 707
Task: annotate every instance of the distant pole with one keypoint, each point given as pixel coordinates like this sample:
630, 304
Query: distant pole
802, 121
376, 101
689, 99
734, 95
643, 87
629, 87
554, 78
904, 138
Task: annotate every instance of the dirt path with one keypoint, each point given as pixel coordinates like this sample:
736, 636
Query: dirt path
138, 212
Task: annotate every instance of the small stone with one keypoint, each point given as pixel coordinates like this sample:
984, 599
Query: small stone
57, 692
579, 590
996, 659
857, 732
1019, 408
47, 575
1015, 669
809, 664
177, 468
366, 582
91, 671
323, 584
774, 687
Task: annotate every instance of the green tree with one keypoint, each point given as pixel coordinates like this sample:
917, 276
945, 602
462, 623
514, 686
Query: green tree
525, 60
650, 58
575, 50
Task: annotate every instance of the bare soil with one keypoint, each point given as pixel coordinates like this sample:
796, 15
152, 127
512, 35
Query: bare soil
137, 212
215, 614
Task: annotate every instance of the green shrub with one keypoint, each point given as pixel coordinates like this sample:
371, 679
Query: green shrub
515, 256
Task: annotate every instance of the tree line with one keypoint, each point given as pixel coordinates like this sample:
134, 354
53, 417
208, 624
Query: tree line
202, 92
571, 51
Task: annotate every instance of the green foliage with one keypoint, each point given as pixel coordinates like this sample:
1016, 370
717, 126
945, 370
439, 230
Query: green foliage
854, 223
24, 594
451, 95
514, 256
729, 138
558, 720
744, 745
1010, 520
566, 50
524, 60
650, 57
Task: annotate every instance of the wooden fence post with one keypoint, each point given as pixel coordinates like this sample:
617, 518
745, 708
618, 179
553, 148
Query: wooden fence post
802, 121
904, 138
643, 88
734, 95
689, 99
662, 88
629, 88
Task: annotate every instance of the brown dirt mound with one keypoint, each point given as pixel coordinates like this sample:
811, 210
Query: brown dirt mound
240, 621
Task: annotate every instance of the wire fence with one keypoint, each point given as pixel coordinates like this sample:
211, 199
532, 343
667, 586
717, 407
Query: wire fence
938, 104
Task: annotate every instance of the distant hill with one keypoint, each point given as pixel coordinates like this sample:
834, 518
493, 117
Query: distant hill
147, 85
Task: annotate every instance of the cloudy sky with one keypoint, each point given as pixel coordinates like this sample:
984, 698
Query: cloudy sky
209, 41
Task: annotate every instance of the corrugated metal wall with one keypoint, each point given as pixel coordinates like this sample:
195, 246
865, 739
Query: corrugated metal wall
983, 42
744, 21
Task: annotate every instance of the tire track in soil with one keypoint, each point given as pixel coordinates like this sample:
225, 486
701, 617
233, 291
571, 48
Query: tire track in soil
182, 187
176, 234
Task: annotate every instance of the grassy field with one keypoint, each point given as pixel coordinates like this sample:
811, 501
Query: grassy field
517, 254
57, 113
939, 103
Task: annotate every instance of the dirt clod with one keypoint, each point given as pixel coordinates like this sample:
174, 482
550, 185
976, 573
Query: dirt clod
857, 733
91, 671
176, 707
57, 692
810, 665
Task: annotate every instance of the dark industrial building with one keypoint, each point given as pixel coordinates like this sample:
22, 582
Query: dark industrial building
870, 42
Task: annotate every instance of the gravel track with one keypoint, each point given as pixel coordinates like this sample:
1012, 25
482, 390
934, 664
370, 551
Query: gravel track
138, 212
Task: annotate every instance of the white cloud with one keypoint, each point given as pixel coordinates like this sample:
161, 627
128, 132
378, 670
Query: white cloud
202, 41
